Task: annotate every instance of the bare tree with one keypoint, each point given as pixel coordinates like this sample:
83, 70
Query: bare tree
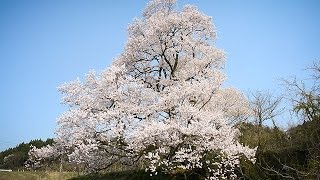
264, 106
305, 95
305, 98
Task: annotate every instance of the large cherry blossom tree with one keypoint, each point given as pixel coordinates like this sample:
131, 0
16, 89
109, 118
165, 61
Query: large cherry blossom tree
160, 102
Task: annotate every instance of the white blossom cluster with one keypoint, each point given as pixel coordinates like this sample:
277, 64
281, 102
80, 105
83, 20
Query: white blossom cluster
161, 100
38, 156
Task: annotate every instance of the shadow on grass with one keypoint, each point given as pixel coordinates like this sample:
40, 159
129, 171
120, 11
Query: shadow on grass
132, 175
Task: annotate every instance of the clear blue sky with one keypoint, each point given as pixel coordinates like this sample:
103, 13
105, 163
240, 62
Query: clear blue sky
46, 43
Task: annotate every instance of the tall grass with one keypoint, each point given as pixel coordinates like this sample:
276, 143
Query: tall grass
39, 175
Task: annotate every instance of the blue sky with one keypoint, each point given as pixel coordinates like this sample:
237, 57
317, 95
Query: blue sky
46, 43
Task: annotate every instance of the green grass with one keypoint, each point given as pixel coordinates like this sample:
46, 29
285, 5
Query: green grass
30, 175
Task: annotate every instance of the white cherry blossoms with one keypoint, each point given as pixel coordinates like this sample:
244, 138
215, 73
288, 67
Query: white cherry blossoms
161, 102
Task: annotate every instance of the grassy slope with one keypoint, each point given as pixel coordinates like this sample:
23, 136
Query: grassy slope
28, 175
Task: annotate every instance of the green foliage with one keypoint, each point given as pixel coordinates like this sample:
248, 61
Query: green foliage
263, 137
280, 154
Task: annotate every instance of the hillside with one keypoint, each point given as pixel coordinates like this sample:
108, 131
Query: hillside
14, 158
